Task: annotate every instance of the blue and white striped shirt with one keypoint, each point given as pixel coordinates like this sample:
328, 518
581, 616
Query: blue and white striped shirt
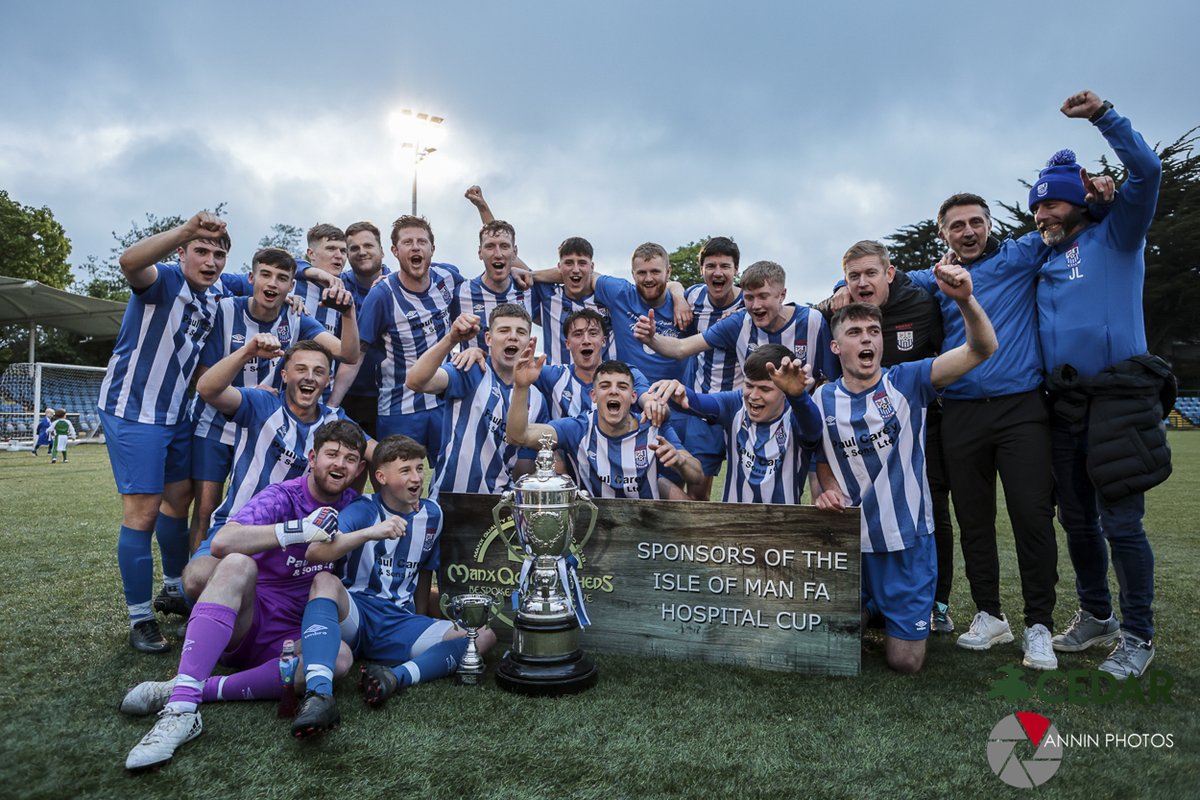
874, 441
405, 324
388, 569
162, 333
552, 306
768, 461
272, 446
233, 328
620, 467
475, 457
475, 298
805, 334
716, 370
568, 396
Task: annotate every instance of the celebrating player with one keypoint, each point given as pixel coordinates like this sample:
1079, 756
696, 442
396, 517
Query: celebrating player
390, 542
142, 405
874, 458
475, 456
769, 426
255, 600
611, 452
240, 319
568, 387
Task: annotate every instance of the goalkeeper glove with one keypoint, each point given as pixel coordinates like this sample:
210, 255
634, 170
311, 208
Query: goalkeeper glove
319, 526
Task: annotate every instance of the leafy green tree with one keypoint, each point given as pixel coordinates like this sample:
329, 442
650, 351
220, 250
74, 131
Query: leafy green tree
33, 245
916, 246
285, 237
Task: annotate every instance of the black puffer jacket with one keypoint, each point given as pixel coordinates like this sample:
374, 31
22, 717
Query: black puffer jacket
1123, 408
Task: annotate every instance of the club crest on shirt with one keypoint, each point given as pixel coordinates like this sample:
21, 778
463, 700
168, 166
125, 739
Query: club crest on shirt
884, 404
1073, 256
283, 332
781, 436
430, 534
640, 458
802, 352
904, 340
446, 294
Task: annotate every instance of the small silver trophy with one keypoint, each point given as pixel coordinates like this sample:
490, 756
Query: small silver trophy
545, 657
471, 612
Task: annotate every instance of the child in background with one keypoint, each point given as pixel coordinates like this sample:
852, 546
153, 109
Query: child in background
60, 431
43, 431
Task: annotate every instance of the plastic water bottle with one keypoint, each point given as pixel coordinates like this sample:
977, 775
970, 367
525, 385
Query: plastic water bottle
287, 674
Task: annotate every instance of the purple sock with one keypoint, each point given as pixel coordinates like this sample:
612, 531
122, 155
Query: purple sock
208, 632
257, 683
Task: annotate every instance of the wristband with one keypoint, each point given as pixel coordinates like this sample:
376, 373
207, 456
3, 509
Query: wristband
1100, 112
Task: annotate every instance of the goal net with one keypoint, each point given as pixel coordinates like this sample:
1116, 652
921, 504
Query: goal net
27, 390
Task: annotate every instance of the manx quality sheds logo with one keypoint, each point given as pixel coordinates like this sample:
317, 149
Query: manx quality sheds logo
492, 570
1024, 750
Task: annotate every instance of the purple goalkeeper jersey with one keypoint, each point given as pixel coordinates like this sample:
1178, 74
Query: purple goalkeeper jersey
281, 502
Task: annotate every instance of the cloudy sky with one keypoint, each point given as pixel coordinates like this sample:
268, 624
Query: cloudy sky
795, 128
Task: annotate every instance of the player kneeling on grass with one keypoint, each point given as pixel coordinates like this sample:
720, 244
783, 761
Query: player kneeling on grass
254, 601
390, 541
770, 425
612, 452
874, 458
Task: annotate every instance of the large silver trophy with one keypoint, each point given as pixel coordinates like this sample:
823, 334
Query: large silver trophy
470, 612
545, 657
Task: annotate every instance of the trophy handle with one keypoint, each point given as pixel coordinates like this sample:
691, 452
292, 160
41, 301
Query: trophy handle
585, 499
506, 501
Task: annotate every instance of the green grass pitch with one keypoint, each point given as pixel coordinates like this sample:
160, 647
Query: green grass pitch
652, 728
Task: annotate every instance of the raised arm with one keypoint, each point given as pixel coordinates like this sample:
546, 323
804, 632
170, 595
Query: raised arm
345, 348
235, 537
137, 262
518, 429
425, 376
216, 385
955, 282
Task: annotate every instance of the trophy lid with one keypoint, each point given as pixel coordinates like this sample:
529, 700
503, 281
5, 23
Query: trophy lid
543, 478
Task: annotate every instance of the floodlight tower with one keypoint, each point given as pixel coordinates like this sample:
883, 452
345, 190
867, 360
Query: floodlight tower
423, 133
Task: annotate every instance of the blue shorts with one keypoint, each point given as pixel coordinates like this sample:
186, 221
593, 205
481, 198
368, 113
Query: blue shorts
706, 441
146, 457
377, 630
211, 459
424, 426
899, 585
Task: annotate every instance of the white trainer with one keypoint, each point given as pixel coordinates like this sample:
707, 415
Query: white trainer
1039, 651
986, 631
173, 729
148, 697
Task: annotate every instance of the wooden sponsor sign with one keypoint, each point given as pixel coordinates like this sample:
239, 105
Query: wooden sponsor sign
768, 586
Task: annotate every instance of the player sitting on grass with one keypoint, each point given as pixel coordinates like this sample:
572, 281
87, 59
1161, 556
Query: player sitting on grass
390, 541
611, 452
255, 599
770, 425
874, 458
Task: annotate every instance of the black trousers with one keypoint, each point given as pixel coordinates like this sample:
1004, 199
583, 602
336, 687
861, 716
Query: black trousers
1009, 435
939, 488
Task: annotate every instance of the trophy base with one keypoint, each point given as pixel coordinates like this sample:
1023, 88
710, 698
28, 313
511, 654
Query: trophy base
469, 678
529, 669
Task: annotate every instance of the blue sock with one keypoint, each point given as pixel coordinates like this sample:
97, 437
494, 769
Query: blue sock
172, 534
437, 662
137, 567
321, 639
